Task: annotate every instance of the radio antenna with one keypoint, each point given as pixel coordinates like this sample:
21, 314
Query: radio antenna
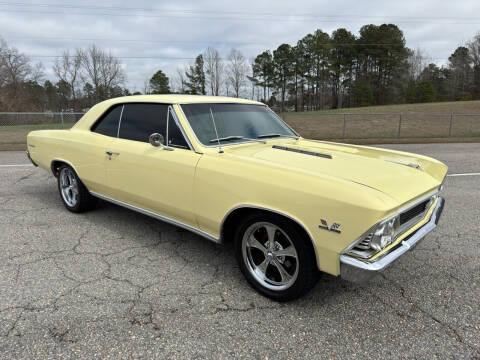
220, 150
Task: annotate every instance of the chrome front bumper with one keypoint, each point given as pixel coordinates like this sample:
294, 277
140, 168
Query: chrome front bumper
355, 270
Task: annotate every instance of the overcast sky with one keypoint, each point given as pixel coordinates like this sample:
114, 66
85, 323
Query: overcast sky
151, 35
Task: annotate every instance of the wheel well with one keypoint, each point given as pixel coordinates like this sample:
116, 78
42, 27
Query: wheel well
231, 222
55, 166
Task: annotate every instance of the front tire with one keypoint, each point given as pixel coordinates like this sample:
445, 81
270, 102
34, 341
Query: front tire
73, 193
275, 256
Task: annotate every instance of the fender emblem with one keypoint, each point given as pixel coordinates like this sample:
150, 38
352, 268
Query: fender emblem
324, 225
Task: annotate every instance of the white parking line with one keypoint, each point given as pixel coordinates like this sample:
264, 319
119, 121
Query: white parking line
16, 165
466, 174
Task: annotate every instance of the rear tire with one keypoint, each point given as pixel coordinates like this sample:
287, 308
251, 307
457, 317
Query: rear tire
283, 269
73, 193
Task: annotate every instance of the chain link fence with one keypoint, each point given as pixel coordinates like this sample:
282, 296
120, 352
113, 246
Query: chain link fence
14, 126
47, 120
381, 126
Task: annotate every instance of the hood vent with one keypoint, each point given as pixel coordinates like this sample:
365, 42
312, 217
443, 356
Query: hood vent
415, 166
326, 156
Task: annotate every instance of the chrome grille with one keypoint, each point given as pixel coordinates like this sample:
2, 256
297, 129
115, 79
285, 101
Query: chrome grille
365, 243
413, 212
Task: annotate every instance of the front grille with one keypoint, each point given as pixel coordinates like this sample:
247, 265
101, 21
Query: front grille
413, 212
365, 243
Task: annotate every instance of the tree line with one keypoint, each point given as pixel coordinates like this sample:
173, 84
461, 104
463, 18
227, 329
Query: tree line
83, 78
320, 71
337, 70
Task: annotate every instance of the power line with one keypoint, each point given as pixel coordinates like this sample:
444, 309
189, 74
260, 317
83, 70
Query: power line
157, 57
195, 11
291, 18
191, 41
139, 40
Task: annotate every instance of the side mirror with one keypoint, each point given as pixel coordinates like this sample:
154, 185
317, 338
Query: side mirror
156, 139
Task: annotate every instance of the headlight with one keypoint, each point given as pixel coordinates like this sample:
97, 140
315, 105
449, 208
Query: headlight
376, 238
385, 234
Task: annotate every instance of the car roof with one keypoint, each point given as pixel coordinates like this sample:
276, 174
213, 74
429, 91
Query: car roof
181, 99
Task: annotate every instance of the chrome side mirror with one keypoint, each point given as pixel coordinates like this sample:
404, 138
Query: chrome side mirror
156, 139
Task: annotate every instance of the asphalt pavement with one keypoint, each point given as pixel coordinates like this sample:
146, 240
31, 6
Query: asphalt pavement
112, 283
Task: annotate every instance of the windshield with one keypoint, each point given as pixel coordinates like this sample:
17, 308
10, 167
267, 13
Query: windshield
235, 123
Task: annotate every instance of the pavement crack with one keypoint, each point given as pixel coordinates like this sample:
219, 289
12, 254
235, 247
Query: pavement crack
445, 325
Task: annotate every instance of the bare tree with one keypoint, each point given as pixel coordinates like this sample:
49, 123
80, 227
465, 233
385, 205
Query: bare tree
15, 67
38, 73
474, 50
146, 86
179, 81
236, 71
417, 61
67, 69
3, 68
102, 69
213, 70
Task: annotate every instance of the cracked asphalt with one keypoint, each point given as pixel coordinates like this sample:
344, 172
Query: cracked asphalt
115, 284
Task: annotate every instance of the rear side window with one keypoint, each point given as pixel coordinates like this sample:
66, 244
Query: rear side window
108, 123
139, 121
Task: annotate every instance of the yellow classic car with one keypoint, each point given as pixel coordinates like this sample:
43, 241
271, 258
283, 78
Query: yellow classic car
232, 170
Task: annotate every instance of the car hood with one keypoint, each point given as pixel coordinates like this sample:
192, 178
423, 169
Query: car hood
401, 176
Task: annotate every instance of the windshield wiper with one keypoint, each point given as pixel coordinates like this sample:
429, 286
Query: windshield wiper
236, 137
276, 135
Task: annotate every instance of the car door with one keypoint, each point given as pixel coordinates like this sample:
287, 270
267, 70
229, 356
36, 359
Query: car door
92, 147
153, 178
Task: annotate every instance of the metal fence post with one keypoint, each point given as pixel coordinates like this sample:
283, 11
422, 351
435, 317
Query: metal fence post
344, 125
450, 126
399, 125
61, 116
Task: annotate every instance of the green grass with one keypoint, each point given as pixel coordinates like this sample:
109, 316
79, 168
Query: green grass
457, 107
35, 127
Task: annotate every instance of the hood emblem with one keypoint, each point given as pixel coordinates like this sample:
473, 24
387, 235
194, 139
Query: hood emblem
335, 227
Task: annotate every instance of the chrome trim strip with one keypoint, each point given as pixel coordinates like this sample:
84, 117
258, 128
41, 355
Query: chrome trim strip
274, 113
159, 217
273, 211
120, 121
182, 130
29, 158
355, 270
416, 202
64, 161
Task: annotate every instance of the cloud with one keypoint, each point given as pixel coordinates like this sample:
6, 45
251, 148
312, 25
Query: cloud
181, 30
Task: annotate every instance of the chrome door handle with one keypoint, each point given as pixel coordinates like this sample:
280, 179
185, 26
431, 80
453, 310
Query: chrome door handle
110, 153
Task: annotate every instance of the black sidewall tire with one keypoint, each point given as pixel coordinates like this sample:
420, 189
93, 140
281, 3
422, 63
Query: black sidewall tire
308, 273
85, 200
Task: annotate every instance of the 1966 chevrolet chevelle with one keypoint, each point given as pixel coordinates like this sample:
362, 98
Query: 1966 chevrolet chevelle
231, 170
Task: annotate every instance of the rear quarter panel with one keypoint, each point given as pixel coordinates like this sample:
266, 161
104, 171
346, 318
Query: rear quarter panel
83, 150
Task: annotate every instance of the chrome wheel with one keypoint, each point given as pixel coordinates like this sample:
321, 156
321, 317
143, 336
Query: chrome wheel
270, 255
68, 186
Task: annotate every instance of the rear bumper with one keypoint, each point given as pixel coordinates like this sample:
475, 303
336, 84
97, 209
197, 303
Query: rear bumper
355, 270
29, 158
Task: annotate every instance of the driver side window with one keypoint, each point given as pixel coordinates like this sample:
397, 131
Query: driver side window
140, 120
